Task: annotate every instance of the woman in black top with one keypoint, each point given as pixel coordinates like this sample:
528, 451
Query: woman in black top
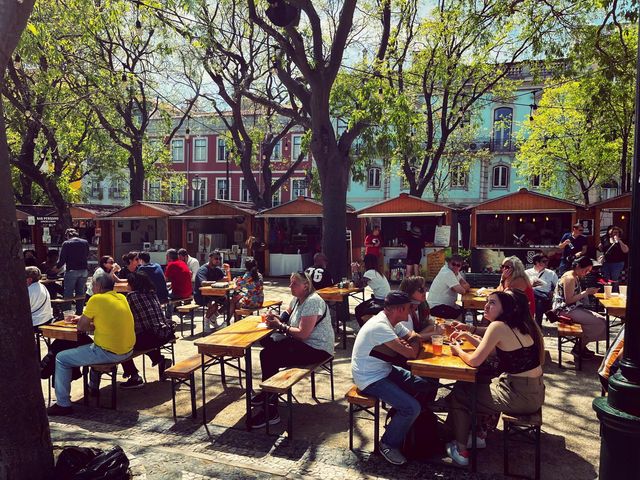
614, 253
519, 345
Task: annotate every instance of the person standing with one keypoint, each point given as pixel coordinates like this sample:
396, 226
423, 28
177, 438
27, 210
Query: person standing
574, 246
191, 262
373, 245
614, 253
74, 254
394, 385
544, 283
414, 245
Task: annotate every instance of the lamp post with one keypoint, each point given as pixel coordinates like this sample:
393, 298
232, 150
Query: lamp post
619, 412
197, 184
228, 189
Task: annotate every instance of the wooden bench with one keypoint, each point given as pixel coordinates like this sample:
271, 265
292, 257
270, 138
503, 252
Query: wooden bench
171, 304
359, 402
183, 373
282, 382
111, 370
243, 312
571, 334
184, 310
522, 426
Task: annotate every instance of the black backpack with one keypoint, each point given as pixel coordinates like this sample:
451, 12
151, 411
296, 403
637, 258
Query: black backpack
423, 440
111, 465
72, 459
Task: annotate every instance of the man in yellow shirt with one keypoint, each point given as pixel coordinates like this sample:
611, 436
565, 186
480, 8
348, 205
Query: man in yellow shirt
108, 316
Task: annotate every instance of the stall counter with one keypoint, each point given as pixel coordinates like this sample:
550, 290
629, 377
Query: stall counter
284, 264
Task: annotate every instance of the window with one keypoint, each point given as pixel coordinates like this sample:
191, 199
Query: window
458, 175
200, 195
534, 181
500, 176
298, 188
117, 189
297, 146
502, 119
153, 190
276, 154
276, 199
177, 150
222, 190
373, 178
200, 150
222, 150
341, 127
244, 192
95, 186
609, 190
176, 193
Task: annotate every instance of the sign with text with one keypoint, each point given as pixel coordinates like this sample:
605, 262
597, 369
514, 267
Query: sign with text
442, 236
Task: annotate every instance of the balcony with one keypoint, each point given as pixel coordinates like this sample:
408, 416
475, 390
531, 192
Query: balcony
496, 145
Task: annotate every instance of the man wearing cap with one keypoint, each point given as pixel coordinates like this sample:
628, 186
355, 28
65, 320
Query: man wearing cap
74, 254
573, 245
393, 385
209, 273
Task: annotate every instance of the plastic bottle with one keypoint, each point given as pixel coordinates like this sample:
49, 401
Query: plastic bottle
468, 319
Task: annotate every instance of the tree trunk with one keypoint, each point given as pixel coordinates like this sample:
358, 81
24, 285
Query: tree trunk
136, 173
25, 442
59, 202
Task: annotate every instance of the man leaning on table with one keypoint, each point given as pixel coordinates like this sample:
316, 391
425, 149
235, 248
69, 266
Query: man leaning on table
108, 315
393, 385
544, 283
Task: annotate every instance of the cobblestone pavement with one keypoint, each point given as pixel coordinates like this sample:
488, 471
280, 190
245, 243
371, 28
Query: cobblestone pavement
144, 426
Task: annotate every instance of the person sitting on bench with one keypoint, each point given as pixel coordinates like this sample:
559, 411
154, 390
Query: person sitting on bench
39, 298
153, 330
376, 281
249, 288
445, 289
108, 315
209, 273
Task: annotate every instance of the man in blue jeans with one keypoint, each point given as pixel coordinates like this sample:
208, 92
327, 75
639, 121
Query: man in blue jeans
74, 254
393, 385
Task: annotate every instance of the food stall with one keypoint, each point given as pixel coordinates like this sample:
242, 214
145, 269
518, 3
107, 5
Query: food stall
293, 234
145, 226
520, 224
36, 224
216, 225
396, 217
613, 211
87, 221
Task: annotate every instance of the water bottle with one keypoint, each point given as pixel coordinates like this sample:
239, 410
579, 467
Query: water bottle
468, 319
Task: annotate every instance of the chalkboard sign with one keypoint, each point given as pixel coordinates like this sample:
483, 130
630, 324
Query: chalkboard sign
587, 225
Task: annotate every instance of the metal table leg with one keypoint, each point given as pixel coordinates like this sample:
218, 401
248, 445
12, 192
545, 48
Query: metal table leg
474, 427
249, 386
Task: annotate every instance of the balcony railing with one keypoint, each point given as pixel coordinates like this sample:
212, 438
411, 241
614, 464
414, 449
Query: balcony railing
497, 145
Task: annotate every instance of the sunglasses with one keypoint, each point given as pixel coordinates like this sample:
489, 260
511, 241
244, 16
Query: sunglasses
505, 267
456, 264
110, 261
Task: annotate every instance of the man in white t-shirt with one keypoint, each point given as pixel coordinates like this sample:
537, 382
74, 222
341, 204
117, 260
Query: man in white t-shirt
393, 385
445, 289
544, 283
191, 262
41, 311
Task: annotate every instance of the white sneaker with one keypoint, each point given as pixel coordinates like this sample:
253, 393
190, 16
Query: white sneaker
455, 455
480, 442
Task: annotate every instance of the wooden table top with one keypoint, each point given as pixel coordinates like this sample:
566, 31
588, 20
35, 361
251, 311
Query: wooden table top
60, 330
445, 366
49, 281
473, 301
121, 287
335, 294
616, 304
210, 291
234, 339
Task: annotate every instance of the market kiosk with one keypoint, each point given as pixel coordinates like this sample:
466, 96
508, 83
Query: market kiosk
520, 224
613, 211
396, 217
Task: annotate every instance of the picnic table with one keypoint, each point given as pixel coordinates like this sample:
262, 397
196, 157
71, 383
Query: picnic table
225, 292
60, 330
615, 306
449, 367
341, 298
233, 341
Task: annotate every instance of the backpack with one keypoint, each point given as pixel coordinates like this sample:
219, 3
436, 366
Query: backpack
72, 459
111, 465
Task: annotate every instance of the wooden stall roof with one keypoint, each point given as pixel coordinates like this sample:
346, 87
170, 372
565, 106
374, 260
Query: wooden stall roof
405, 205
525, 201
25, 211
90, 212
143, 210
218, 209
300, 207
620, 203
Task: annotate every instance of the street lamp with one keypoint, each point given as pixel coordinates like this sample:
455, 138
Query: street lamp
619, 412
197, 184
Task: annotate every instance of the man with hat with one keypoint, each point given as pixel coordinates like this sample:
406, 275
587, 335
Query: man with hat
414, 245
393, 385
74, 254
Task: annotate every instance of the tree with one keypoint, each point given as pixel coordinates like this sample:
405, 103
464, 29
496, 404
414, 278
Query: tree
562, 146
25, 443
235, 57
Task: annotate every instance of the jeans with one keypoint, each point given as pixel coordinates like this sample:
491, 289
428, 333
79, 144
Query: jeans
612, 270
75, 285
399, 390
78, 357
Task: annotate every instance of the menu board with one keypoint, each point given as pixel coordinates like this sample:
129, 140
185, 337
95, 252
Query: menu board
442, 236
435, 261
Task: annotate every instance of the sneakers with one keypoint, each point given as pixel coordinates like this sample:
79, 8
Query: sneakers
480, 442
210, 323
133, 382
56, 410
392, 455
259, 420
258, 399
461, 458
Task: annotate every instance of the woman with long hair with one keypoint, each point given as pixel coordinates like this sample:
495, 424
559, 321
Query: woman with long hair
519, 345
249, 288
418, 320
106, 264
304, 336
514, 277
614, 253
376, 281
567, 300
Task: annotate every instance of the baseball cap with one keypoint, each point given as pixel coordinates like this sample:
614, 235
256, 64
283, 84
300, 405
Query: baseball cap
396, 297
